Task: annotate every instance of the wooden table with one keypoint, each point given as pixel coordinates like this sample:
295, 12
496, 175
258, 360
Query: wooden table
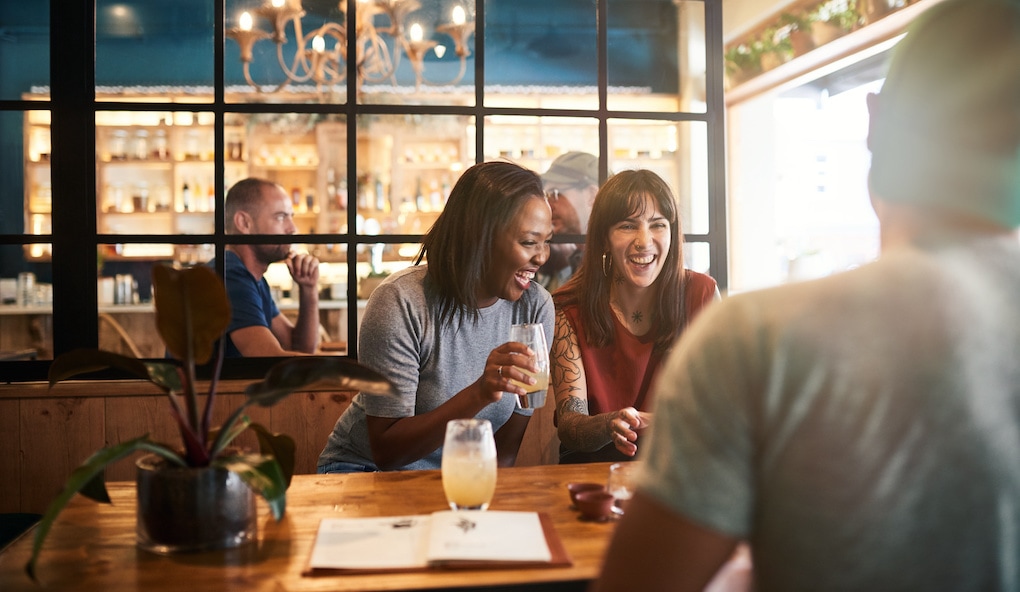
92, 546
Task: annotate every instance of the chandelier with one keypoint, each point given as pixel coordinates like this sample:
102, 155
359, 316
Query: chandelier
375, 61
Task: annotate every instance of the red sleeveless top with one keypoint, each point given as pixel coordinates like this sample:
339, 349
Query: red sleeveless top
620, 374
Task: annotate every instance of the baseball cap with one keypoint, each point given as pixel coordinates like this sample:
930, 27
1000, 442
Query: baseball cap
946, 131
573, 168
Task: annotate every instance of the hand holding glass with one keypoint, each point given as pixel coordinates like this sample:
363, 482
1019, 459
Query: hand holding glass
533, 336
469, 464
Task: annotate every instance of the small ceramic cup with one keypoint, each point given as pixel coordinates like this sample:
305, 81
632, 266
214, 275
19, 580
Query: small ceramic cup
579, 486
595, 505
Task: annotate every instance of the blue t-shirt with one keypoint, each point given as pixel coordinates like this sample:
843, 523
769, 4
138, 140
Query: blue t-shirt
251, 302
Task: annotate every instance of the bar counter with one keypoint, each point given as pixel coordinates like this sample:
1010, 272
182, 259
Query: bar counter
92, 546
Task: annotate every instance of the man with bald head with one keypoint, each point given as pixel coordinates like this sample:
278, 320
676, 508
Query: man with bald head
862, 431
257, 327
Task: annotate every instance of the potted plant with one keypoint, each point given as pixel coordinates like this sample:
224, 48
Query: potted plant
192, 312
798, 29
776, 48
833, 19
743, 61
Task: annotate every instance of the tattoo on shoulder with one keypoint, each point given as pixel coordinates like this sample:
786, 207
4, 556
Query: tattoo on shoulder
565, 357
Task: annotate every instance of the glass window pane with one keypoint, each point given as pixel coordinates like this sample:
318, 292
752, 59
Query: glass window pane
535, 142
25, 48
28, 202
697, 257
430, 62
541, 44
155, 172
155, 44
26, 303
406, 167
676, 151
656, 49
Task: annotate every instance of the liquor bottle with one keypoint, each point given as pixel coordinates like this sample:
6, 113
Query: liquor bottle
210, 196
186, 197
341, 194
330, 186
419, 197
380, 197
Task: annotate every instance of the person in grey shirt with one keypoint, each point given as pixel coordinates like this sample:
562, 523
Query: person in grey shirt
862, 431
439, 331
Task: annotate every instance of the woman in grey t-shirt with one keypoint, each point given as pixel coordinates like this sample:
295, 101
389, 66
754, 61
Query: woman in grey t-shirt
439, 331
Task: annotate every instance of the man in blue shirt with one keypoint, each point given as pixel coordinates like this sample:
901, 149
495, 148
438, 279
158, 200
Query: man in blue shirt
257, 327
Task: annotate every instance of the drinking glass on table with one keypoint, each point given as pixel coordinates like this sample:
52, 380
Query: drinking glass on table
469, 464
621, 484
533, 336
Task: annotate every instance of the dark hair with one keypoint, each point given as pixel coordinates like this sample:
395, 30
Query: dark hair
458, 247
621, 197
243, 196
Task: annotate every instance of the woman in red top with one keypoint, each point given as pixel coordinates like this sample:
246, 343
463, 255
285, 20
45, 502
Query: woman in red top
618, 316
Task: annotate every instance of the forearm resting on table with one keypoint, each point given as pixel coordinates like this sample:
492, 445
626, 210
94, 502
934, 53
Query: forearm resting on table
399, 441
578, 430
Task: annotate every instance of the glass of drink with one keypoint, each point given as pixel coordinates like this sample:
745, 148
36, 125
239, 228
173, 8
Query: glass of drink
621, 484
469, 464
533, 336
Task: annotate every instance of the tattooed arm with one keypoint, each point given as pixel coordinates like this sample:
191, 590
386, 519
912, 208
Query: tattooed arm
577, 429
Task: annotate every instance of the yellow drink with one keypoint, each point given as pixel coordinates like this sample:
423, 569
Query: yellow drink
541, 381
469, 480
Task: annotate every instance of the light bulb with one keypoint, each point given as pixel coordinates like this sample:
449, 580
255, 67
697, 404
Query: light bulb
417, 33
459, 17
245, 21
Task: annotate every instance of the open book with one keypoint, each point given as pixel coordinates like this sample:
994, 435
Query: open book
441, 539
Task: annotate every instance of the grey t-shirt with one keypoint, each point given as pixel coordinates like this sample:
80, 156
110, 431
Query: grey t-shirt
427, 364
861, 431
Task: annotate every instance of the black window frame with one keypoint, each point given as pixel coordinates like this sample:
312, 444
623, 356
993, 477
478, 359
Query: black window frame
73, 106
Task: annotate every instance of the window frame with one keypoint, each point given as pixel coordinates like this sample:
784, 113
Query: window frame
73, 106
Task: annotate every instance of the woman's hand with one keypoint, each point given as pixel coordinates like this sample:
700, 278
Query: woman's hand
624, 427
503, 365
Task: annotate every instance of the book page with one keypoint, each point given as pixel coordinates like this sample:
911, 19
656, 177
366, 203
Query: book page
396, 542
487, 536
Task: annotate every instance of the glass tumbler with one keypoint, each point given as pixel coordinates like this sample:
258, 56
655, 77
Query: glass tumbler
469, 464
533, 336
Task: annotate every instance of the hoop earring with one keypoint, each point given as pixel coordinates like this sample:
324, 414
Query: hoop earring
606, 264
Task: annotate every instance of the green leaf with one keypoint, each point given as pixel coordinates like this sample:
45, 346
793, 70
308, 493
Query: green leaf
263, 475
297, 373
81, 361
280, 446
192, 310
88, 479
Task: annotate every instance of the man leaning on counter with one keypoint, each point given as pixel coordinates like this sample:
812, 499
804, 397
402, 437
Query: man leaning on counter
257, 327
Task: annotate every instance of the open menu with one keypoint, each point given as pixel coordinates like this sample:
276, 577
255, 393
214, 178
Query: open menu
448, 539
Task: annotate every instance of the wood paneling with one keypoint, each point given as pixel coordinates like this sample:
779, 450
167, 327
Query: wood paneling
10, 457
45, 433
309, 419
57, 434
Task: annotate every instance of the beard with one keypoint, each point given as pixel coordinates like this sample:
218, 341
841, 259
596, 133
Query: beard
267, 254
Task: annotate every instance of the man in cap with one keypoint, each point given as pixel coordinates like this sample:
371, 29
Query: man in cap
862, 431
570, 184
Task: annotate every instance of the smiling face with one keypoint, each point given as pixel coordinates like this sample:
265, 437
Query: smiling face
639, 245
518, 251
